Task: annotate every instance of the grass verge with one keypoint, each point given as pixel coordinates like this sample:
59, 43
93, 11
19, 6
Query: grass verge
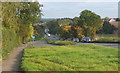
59, 42
70, 58
107, 38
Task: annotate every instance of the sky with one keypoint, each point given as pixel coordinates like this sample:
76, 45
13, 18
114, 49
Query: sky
72, 8
78, 0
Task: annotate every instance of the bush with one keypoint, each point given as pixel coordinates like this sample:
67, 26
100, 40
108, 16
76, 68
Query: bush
64, 43
107, 40
59, 42
17, 20
9, 41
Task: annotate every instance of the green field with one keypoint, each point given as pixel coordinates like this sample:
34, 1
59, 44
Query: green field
107, 38
70, 58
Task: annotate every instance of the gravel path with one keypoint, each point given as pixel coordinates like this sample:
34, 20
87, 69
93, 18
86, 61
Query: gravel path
12, 63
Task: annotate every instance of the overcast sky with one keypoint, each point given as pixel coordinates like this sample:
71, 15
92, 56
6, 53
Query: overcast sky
78, 0
68, 8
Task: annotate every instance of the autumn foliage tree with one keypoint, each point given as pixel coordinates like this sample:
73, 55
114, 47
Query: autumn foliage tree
76, 31
85, 25
64, 32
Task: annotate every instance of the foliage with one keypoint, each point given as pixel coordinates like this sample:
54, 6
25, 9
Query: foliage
64, 32
107, 28
118, 19
76, 20
39, 31
106, 19
90, 22
85, 25
76, 32
59, 42
55, 25
70, 58
17, 20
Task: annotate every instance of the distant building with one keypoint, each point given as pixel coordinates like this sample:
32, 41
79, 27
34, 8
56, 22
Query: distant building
112, 20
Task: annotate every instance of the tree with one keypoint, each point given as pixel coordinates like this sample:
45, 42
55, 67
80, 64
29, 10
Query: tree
39, 30
17, 20
106, 19
64, 32
76, 20
118, 19
55, 26
28, 14
107, 28
90, 22
76, 31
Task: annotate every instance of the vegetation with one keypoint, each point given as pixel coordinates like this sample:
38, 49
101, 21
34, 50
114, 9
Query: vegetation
39, 31
85, 25
55, 25
90, 22
70, 58
107, 38
59, 42
107, 28
17, 20
63, 43
118, 19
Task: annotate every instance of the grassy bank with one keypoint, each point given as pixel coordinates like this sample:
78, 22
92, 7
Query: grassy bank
59, 42
107, 38
70, 58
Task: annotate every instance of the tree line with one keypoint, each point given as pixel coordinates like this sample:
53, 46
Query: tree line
17, 20
87, 24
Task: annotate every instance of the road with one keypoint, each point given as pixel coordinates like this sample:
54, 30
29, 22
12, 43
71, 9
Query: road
114, 45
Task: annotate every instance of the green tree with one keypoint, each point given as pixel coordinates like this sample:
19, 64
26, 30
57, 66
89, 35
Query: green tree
39, 30
108, 28
118, 19
17, 20
106, 19
55, 26
90, 22
64, 32
29, 13
76, 20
